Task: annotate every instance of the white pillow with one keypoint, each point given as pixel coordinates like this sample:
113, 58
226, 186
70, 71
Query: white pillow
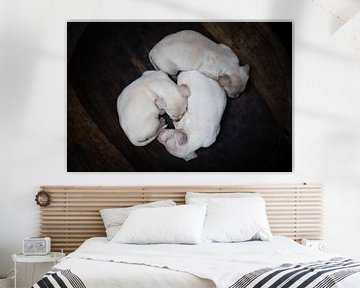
180, 224
113, 218
236, 220
203, 198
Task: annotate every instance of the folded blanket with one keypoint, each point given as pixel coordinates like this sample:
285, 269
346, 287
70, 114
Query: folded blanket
59, 278
319, 274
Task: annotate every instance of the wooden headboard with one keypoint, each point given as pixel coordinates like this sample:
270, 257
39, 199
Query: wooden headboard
73, 214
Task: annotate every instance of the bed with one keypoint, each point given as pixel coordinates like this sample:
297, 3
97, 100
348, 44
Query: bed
280, 262
99, 263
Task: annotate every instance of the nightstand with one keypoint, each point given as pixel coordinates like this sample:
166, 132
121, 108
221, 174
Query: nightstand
53, 257
320, 245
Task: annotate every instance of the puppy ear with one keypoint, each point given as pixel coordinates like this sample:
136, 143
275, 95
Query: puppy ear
162, 136
160, 102
190, 156
184, 90
246, 68
224, 46
224, 80
147, 72
180, 137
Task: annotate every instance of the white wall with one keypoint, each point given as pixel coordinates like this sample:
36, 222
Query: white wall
33, 109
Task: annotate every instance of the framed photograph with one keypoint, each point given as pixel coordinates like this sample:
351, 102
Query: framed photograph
179, 96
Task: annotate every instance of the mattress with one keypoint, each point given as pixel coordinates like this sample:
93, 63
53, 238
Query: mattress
99, 263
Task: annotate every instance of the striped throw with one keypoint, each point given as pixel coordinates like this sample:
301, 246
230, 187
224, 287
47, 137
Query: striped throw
57, 278
320, 274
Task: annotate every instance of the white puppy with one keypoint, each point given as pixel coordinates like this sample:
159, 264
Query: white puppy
200, 125
142, 102
189, 50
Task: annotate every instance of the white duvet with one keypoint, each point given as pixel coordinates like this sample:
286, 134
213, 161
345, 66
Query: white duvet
102, 264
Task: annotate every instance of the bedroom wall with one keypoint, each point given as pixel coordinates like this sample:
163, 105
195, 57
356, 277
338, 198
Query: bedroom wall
33, 110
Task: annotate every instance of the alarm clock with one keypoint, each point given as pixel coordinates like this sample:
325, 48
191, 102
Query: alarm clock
36, 246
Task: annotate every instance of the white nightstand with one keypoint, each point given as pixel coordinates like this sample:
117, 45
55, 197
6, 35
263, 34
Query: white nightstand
320, 245
53, 257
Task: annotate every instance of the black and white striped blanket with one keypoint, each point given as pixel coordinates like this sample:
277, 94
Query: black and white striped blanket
57, 278
320, 274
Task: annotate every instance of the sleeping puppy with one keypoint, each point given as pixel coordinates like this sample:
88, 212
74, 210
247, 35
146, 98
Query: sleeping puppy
200, 125
189, 50
142, 102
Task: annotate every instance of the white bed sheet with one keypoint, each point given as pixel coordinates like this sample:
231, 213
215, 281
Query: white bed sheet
102, 274
100, 263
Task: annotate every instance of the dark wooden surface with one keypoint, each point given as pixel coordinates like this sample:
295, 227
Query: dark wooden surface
103, 58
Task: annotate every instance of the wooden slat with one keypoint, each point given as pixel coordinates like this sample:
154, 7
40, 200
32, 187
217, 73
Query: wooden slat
187, 188
73, 216
66, 232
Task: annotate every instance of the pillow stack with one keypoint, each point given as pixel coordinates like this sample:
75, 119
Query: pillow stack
219, 217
